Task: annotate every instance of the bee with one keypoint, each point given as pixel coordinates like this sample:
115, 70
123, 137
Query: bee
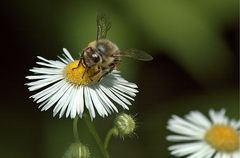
104, 54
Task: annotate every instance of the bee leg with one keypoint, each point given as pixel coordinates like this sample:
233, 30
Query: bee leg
117, 60
79, 62
105, 74
116, 63
82, 61
86, 70
94, 74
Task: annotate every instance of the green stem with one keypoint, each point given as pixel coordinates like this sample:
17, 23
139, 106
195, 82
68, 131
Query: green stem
75, 129
95, 135
108, 137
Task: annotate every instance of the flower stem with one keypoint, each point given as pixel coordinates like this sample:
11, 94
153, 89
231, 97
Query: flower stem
108, 137
95, 135
75, 129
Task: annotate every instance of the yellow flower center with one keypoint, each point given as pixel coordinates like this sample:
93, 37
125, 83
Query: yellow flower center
223, 138
78, 74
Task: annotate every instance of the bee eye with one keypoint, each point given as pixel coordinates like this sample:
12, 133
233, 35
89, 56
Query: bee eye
95, 58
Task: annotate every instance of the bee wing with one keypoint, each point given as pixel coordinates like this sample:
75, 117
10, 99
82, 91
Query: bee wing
103, 25
136, 54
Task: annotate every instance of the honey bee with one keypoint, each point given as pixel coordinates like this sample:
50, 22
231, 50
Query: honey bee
104, 54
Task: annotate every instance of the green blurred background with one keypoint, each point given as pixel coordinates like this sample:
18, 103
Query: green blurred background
195, 67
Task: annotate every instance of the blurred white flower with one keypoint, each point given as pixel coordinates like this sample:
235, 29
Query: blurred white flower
204, 138
63, 85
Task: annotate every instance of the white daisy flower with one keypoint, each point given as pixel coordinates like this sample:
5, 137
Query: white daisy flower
63, 85
218, 137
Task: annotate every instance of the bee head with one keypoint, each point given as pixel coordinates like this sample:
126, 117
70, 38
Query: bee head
91, 56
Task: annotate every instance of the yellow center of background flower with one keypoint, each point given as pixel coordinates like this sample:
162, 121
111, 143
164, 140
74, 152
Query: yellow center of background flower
223, 138
79, 75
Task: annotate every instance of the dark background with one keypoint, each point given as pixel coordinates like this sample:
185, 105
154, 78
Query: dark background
195, 67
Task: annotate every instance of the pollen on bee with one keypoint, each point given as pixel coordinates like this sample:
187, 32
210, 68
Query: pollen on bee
78, 74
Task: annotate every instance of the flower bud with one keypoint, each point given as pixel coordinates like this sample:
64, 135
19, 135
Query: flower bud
124, 125
77, 150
